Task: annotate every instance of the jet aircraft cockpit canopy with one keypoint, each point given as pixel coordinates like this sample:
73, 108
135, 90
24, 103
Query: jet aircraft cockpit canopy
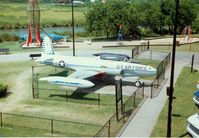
113, 56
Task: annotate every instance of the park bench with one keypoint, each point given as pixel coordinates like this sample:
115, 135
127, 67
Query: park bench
4, 50
34, 55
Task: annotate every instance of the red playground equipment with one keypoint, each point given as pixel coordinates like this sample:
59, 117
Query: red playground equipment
34, 38
186, 34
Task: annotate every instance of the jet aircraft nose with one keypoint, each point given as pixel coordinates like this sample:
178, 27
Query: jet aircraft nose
152, 70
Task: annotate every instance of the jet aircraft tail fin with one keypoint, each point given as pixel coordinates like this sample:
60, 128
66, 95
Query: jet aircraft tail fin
47, 46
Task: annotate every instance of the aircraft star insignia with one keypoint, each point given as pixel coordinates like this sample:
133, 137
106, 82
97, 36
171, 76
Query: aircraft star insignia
62, 63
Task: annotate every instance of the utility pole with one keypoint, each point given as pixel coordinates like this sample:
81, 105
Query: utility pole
73, 30
169, 121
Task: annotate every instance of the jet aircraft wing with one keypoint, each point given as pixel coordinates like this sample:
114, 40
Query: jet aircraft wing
82, 74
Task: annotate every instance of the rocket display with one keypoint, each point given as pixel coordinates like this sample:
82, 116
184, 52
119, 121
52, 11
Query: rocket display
33, 23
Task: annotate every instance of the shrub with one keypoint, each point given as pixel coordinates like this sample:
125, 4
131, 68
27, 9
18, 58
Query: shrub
9, 37
3, 90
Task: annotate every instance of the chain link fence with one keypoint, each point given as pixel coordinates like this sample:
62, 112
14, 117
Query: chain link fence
45, 91
49, 126
114, 124
161, 69
136, 50
194, 62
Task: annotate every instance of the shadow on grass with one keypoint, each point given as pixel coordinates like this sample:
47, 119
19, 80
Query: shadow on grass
176, 115
75, 95
5, 95
185, 135
64, 73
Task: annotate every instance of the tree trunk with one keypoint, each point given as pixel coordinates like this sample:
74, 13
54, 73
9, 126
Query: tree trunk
107, 34
169, 29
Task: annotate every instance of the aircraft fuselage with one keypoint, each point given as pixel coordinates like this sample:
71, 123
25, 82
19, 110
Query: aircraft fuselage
96, 64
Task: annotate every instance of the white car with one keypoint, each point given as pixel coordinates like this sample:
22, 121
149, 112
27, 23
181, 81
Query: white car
193, 125
77, 2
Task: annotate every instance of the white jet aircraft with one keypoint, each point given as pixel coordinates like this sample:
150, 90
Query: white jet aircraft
86, 67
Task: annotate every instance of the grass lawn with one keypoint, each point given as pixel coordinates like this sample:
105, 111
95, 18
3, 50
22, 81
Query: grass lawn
153, 63
194, 47
15, 47
75, 110
15, 14
9, 131
183, 105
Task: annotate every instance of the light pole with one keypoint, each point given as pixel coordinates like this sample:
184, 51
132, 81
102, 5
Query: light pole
169, 121
73, 30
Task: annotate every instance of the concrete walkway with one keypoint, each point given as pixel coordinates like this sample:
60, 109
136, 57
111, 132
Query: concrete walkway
144, 121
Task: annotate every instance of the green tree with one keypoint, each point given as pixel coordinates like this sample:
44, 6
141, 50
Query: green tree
133, 19
138, 17
104, 18
150, 15
187, 13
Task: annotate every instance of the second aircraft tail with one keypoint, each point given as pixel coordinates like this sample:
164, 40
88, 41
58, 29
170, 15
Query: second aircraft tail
47, 47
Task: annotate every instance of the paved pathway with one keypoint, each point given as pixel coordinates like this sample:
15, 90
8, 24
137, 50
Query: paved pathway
144, 121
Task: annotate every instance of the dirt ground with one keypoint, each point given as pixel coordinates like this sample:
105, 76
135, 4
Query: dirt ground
19, 92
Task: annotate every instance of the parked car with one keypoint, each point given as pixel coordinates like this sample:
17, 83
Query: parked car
196, 98
193, 125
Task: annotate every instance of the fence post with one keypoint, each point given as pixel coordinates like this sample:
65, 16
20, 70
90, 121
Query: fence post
134, 98
33, 91
138, 50
192, 61
66, 95
190, 46
109, 128
169, 57
124, 110
151, 90
148, 43
164, 74
1, 114
150, 54
98, 100
142, 89
132, 53
51, 126
37, 85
